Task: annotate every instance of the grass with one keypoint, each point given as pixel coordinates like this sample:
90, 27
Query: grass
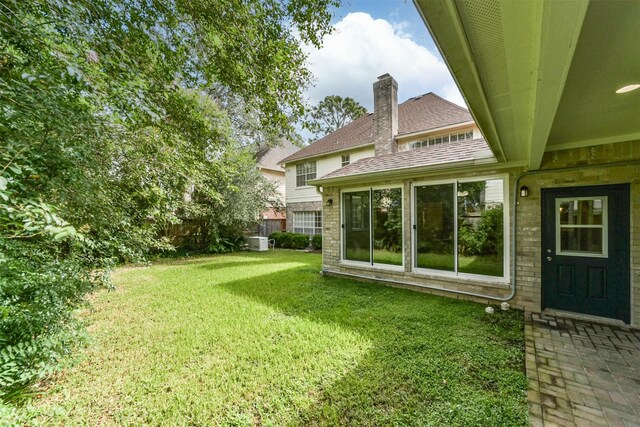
263, 339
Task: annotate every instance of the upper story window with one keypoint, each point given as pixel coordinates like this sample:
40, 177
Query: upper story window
443, 139
305, 172
346, 159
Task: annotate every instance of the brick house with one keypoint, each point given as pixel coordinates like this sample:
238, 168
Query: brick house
549, 217
425, 119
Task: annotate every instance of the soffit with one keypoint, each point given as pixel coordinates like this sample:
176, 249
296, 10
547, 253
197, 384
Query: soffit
607, 57
538, 75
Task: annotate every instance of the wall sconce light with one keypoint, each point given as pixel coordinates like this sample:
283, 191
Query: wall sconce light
329, 202
524, 191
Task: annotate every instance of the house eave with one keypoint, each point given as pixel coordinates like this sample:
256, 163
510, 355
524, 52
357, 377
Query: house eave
325, 154
473, 165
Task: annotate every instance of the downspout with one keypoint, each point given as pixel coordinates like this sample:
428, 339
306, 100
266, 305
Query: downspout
512, 292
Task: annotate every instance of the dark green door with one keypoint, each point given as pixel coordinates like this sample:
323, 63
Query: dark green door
585, 250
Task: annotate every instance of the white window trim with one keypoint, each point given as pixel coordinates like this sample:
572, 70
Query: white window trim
370, 265
427, 138
604, 227
505, 232
296, 215
305, 185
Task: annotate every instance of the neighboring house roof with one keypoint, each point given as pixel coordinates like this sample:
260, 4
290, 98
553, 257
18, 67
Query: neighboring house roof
418, 114
441, 154
269, 157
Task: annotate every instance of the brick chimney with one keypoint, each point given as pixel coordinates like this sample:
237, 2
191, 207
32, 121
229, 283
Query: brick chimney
385, 114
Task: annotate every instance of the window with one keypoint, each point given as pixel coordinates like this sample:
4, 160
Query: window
581, 226
307, 222
459, 227
346, 159
372, 228
443, 139
305, 172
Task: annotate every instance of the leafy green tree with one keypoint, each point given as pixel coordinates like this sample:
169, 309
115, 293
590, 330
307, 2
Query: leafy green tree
332, 113
110, 110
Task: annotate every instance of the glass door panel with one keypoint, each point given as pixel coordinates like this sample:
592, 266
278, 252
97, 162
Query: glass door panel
435, 221
387, 226
480, 227
357, 235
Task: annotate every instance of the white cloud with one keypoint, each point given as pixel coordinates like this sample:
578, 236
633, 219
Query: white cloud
361, 49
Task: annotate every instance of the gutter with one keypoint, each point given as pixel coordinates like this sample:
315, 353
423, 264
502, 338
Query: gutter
512, 287
416, 171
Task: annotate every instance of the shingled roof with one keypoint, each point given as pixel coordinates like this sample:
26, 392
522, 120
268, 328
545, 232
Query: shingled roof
441, 154
418, 114
269, 157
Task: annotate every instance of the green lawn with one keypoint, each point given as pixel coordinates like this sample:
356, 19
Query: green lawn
264, 339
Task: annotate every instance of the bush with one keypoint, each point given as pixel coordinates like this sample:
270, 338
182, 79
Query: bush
288, 240
41, 285
316, 241
221, 245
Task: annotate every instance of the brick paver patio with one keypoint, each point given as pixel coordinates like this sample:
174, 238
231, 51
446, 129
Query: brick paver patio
582, 373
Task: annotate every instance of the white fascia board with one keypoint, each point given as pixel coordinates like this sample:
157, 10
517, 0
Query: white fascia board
402, 137
329, 153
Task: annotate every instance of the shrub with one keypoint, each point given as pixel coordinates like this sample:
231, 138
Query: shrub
221, 245
316, 241
288, 240
41, 285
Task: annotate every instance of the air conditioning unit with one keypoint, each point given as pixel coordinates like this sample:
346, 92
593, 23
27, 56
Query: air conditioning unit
258, 243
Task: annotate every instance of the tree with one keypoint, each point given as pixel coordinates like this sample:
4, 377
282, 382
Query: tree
108, 115
332, 113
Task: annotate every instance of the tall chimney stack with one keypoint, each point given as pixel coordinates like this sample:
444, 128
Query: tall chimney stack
385, 114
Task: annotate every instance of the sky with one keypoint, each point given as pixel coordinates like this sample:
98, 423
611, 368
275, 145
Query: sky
374, 37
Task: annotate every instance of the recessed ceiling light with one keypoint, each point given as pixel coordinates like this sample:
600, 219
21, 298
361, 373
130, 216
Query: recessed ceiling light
628, 88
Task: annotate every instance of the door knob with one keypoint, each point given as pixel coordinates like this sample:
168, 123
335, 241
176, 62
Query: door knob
549, 251
549, 258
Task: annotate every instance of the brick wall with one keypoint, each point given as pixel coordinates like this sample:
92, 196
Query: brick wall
592, 171
301, 206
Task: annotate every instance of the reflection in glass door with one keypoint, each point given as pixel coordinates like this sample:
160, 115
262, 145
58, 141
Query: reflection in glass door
435, 245
387, 226
357, 234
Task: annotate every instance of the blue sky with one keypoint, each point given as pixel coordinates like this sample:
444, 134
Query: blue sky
373, 37
392, 11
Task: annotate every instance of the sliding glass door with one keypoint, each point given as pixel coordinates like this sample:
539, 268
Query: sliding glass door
435, 235
459, 227
357, 231
387, 226
372, 226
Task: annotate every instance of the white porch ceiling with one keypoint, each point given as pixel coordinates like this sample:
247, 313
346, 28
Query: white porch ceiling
542, 75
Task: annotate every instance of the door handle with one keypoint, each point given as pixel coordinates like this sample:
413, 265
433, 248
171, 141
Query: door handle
549, 258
